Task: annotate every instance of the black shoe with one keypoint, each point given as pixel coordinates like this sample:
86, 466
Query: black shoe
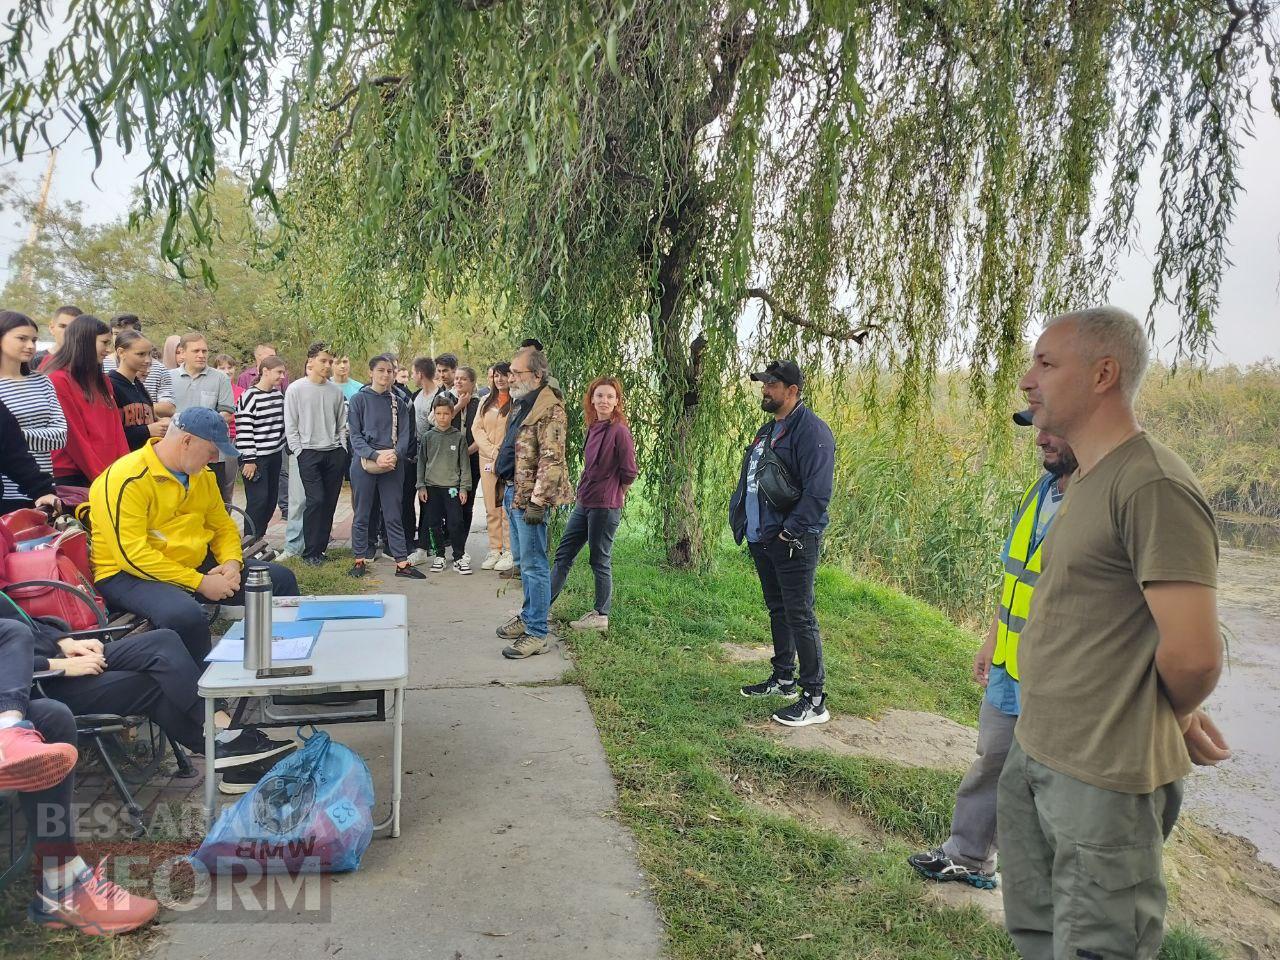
936, 865
809, 709
250, 747
775, 686
313, 561
357, 570
410, 572
243, 779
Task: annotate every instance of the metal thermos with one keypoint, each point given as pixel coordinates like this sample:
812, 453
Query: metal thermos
257, 619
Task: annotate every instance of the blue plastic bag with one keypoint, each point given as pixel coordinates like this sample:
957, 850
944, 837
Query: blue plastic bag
312, 813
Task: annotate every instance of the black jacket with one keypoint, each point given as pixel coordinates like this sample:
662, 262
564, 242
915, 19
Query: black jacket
46, 630
137, 409
16, 461
804, 444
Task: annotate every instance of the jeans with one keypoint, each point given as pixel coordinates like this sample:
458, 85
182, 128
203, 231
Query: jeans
297, 502
973, 821
170, 607
261, 493
322, 482
47, 812
535, 573
147, 673
787, 577
446, 521
1082, 866
382, 490
594, 527
508, 498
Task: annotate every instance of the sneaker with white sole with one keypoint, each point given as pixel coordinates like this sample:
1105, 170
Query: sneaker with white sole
251, 746
775, 686
437, 564
505, 562
513, 629
811, 708
463, 565
419, 557
490, 559
592, 621
93, 905
937, 865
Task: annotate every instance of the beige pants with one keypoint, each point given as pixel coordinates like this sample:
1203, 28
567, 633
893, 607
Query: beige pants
499, 535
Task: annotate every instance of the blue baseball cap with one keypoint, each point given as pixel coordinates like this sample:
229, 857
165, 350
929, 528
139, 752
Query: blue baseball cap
207, 425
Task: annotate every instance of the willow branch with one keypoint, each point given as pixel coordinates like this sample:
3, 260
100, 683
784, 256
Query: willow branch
857, 334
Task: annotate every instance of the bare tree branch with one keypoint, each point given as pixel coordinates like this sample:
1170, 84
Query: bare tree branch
857, 335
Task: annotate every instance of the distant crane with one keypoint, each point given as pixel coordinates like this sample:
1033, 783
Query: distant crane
37, 215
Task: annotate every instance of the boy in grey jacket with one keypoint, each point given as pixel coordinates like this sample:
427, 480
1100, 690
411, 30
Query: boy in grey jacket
444, 485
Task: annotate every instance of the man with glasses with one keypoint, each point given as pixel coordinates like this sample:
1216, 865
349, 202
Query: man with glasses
531, 465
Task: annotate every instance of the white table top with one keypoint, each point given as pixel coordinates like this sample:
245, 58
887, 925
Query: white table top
395, 613
378, 659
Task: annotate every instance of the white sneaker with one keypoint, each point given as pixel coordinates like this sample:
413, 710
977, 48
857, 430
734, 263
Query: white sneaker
490, 558
437, 564
419, 557
592, 621
505, 562
462, 565
286, 555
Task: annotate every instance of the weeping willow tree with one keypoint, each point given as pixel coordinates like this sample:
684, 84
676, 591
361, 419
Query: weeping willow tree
674, 189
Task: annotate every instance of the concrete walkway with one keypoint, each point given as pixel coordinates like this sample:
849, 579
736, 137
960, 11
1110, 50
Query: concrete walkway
508, 849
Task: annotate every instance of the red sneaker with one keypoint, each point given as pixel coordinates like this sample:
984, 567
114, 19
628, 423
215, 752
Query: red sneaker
93, 905
28, 764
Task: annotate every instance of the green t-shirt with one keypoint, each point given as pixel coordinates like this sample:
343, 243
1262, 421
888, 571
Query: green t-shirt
1092, 705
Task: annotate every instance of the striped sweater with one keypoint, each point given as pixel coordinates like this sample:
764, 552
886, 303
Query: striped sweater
259, 423
34, 404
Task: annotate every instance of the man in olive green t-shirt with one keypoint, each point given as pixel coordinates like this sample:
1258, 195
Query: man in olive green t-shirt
1120, 649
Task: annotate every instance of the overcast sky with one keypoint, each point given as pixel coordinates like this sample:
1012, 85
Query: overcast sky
1248, 324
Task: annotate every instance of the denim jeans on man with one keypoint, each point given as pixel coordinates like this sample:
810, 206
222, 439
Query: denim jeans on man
535, 572
594, 527
787, 578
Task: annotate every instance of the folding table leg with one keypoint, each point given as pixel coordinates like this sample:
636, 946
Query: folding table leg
397, 761
209, 775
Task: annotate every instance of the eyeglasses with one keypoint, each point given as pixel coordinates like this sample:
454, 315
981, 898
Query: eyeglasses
516, 373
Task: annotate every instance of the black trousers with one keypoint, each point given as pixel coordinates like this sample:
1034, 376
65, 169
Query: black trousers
469, 508
262, 492
48, 812
445, 521
148, 673
787, 578
170, 607
322, 483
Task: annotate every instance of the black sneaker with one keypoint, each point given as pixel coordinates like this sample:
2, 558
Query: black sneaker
775, 686
936, 865
250, 747
410, 572
313, 561
809, 709
243, 779
357, 570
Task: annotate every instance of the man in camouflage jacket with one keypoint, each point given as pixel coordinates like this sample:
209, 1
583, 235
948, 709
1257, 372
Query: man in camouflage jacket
532, 460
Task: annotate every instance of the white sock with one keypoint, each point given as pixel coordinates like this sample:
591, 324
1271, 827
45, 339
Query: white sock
57, 879
9, 722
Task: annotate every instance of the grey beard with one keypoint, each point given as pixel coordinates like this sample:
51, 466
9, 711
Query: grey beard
519, 393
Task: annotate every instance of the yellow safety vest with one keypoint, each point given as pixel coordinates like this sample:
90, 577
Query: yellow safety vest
1021, 571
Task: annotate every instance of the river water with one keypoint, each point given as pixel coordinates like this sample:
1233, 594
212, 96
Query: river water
1242, 796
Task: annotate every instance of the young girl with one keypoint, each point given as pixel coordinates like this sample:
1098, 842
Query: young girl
129, 384
260, 440
31, 399
95, 435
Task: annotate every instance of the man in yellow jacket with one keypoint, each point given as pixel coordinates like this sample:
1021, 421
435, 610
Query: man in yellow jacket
163, 543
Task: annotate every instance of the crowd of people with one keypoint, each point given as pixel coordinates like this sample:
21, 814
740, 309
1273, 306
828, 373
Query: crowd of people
1104, 647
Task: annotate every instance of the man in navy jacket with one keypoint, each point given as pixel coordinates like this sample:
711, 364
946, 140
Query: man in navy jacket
785, 538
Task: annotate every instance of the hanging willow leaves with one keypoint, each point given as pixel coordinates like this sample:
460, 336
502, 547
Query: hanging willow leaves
890, 183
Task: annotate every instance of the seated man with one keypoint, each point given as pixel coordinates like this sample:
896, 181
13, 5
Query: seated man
163, 542
37, 759
148, 674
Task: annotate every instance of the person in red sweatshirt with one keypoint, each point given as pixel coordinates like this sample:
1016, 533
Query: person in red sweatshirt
95, 435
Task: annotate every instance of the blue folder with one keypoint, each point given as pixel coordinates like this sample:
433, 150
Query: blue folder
340, 609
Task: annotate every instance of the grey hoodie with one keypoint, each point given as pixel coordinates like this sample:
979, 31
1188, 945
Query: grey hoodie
369, 420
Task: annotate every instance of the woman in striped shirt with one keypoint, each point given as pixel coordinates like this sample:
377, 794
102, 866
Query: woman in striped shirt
260, 440
31, 399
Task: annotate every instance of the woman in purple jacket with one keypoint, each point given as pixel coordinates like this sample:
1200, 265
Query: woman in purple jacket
608, 470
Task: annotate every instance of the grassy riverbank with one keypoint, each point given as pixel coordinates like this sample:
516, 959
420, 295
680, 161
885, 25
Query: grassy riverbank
729, 870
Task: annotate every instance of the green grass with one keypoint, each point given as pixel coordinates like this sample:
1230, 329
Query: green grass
20, 940
728, 874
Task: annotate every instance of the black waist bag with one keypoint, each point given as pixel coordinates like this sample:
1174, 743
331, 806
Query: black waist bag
775, 482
